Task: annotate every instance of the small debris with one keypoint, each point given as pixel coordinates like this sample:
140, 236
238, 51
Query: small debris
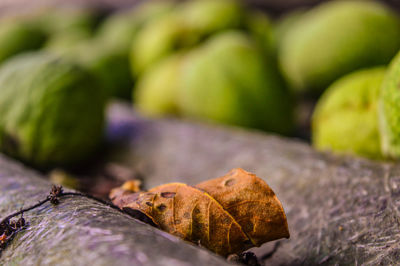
246, 258
55, 193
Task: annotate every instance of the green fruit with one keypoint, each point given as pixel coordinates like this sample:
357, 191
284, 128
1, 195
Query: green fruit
389, 111
108, 63
284, 24
337, 38
204, 17
155, 41
260, 27
156, 91
192, 22
121, 28
17, 37
51, 110
345, 119
63, 20
226, 80
66, 40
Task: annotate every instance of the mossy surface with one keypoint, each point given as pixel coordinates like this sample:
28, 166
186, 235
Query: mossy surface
346, 118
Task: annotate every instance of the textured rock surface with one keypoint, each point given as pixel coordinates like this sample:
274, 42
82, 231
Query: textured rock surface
79, 231
341, 210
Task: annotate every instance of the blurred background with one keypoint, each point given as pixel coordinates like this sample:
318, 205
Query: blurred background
299, 68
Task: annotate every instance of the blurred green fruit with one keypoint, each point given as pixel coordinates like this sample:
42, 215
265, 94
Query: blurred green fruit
108, 63
66, 40
284, 24
226, 80
17, 37
157, 90
157, 40
204, 17
260, 27
346, 119
336, 38
64, 19
389, 110
191, 22
121, 28
51, 110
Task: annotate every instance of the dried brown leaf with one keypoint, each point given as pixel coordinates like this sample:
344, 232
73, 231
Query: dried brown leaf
227, 215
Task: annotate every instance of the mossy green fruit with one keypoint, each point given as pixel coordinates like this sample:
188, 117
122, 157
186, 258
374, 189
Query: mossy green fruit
389, 110
52, 112
17, 37
226, 80
346, 119
336, 38
156, 91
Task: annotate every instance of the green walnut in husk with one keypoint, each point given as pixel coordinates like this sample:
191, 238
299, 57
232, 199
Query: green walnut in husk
188, 25
346, 118
108, 63
205, 17
157, 90
67, 40
117, 33
52, 111
17, 36
226, 80
156, 41
259, 25
121, 28
283, 25
65, 19
336, 38
389, 110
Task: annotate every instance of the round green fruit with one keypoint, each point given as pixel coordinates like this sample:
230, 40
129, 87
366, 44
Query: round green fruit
52, 112
259, 25
189, 24
226, 80
336, 38
155, 41
284, 24
67, 19
389, 110
66, 40
156, 91
346, 117
17, 37
204, 17
108, 63
121, 28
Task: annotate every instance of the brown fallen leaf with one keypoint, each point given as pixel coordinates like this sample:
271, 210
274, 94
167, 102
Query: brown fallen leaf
227, 215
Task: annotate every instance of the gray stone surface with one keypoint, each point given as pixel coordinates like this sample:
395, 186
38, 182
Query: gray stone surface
341, 210
80, 231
